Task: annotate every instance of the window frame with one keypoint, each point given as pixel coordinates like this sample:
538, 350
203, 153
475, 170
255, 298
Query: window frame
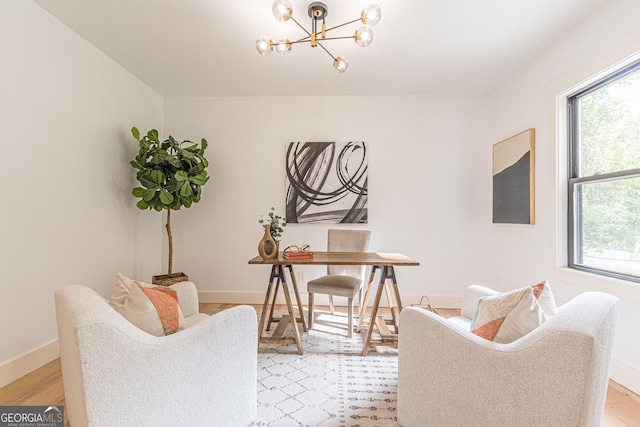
574, 217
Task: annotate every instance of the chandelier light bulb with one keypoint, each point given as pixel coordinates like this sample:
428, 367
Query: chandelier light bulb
282, 10
340, 64
371, 15
364, 36
264, 45
283, 46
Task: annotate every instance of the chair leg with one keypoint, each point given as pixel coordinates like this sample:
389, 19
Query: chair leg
311, 315
331, 304
350, 318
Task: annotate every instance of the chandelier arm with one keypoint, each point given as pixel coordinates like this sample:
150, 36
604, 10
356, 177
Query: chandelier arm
341, 25
298, 24
329, 53
327, 30
338, 38
304, 40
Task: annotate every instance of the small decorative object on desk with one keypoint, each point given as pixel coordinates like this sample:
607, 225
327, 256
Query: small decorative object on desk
297, 252
273, 227
425, 303
267, 247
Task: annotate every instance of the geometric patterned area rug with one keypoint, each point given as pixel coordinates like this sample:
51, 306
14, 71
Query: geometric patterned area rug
331, 384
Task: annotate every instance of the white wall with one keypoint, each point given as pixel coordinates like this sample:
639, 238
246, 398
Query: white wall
530, 253
428, 171
66, 216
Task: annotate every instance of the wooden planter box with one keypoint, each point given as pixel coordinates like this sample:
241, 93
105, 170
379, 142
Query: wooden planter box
169, 279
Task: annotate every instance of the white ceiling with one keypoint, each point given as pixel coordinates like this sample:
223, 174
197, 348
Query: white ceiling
207, 47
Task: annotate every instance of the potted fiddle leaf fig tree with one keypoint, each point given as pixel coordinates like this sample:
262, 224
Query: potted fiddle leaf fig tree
171, 174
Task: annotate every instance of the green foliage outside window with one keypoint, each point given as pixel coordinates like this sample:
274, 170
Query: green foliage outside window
610, 142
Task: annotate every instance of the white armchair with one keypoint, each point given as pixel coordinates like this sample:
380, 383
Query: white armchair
555, 375
114, 374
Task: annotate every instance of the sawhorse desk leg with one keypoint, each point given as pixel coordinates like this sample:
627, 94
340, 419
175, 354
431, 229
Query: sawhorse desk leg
388, 273
277, 275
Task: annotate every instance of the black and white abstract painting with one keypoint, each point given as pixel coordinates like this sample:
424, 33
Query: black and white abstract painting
513, 179
326, 182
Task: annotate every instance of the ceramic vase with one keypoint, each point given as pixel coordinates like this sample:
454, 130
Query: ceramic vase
267, 247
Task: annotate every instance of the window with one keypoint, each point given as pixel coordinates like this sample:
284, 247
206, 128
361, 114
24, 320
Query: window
604, 176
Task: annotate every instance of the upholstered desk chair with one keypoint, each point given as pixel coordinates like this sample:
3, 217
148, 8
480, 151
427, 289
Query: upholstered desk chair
557, 375
341, 280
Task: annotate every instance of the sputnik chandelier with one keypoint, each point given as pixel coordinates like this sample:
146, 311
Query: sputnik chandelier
318, 11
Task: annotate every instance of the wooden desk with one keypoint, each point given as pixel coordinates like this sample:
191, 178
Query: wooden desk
383, 261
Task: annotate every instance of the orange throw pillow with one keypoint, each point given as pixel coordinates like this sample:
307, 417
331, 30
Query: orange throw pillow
154, 310
166, 303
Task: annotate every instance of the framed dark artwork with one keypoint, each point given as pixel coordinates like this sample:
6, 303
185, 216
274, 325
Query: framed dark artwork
514, 179
326, 182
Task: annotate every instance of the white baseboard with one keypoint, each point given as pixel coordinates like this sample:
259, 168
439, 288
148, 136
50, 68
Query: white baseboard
21, 366
625, 375
216, 297
438, 301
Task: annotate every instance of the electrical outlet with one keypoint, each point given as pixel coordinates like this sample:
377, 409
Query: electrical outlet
301, 277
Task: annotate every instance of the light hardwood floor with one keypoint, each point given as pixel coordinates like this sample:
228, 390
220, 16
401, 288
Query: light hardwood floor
44, 387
